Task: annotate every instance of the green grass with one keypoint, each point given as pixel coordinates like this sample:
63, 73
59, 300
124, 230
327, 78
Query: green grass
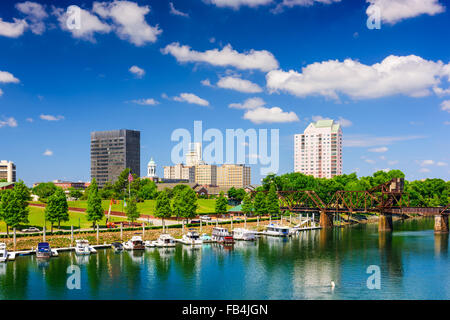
36, 219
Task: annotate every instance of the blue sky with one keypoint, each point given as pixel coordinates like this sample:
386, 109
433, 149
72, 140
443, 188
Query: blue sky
312, 59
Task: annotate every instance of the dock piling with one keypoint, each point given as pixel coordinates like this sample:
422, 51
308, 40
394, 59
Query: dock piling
14, 239
71, 235
43, 236
97, 234
121, 232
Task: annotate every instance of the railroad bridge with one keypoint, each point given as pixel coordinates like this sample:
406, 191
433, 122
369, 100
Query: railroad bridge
386, 199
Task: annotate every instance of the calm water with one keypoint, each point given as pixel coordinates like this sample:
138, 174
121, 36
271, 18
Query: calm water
414, 264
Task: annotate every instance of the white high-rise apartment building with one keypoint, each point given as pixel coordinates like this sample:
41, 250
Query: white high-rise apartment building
318, 151
7, 171
194, 156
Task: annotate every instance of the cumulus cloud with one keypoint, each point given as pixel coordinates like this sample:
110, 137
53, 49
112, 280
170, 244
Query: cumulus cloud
48, 153
238, 84
408, 75
393, 11
373, 141
260, 60
35, 14
12, 29
236, 4
445, 105
138, 72
426, 162
128, 21
7, 77
191, 98
49, 117
90, 25
379, 150
146, 102
206, 83
8, 122
270, 115
251, 103
176, 12
441, 164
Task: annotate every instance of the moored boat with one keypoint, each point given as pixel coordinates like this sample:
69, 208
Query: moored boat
3, 253
191, 238
222, 235
82, 247
43, 250
135, 243
276, 230
117, 247
244, 234
164, 241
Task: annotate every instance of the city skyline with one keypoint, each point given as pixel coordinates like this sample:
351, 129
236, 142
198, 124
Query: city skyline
58, 85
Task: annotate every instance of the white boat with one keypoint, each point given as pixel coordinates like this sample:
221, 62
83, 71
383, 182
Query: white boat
244, 234
149, 244
221, 235
3, 253
276, 230
165, 241
135, 243
191, 238
44, 251
82, 248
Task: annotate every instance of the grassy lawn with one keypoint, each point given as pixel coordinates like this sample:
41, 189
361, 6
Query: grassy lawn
36, 219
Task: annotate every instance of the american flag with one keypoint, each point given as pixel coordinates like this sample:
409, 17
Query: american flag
130, 177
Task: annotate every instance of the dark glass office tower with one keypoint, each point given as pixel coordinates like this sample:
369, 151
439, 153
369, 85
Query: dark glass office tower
112, 152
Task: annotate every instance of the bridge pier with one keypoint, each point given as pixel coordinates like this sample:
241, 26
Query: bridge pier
325, 220
385, 223
441, 223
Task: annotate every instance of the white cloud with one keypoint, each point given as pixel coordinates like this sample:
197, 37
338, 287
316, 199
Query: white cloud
393, 11
251, 103
49, 117
238, 84
424, 170
445, 106
8, 122
35, 14
206, 83
128, 21
236, 4
48, 153
426, 162
270, 115
191, 98
261, 60
90, 24
12, 29
146, 102
369, 161
342, 121
138, 72
6, 77
408, 75
392, 162
441, 164
441, 92
373, 141
303, 3
379, 150
177, 12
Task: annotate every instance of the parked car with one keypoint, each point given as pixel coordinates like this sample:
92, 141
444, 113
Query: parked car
205, 217
31, 229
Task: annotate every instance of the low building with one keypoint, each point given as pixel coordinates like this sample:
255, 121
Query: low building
206, 174
233, 175
65, 185
7, 185
180, 172
7, 171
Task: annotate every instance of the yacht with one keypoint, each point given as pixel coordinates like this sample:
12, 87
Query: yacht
43, 251
206, 238
135, 243
191, 238
221, 235
164, 241
117, 247
82, 248
3, 253
276, 230
244, 234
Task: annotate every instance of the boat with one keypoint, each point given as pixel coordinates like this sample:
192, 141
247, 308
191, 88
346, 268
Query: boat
221, 235
206, 238
82, 247
164, 241
43, 250
149, 244
117, 246
191, 238
135, 243
3, 253
244, 234
276, 230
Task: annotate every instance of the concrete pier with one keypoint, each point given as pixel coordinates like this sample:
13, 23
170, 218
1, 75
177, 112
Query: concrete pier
441, 223
385, 223
325, 220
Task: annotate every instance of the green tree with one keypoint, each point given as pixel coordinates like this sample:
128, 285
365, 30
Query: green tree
44, 190
273, 205
189, 203
221, 204
57, 209
260, 204
147, 190
132, 210
14, 206
163, 209
75, 193
247, 205
94, 209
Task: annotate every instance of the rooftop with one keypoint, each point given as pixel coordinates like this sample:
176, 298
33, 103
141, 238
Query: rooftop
327, 124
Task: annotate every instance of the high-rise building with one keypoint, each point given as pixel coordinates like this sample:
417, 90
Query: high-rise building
179, 172
7, 171
206, 174
233, 175
318, 151
194, 155
114, 151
